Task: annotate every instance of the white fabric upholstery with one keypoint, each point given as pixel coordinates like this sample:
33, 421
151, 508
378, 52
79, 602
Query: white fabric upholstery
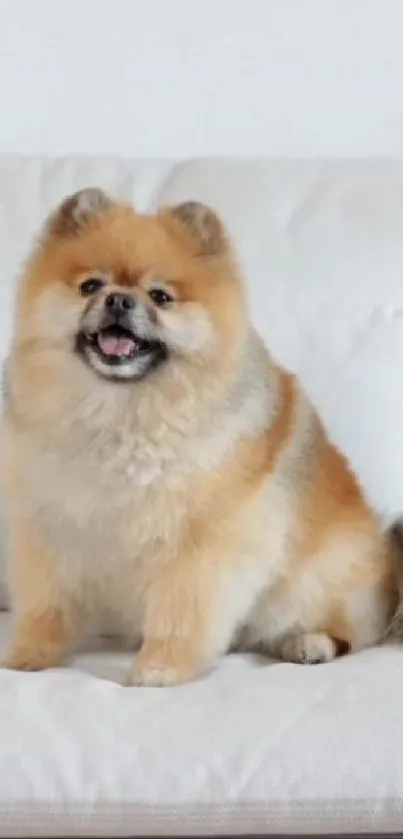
252, 748
248, 748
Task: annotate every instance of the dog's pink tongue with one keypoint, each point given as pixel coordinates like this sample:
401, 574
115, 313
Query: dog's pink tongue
115, 345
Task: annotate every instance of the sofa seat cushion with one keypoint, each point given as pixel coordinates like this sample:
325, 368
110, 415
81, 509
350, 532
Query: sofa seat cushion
251, 747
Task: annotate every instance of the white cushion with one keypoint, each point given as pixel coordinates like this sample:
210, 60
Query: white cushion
249, 748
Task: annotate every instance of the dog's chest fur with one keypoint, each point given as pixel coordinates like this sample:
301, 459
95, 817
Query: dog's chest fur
113, 492
104, 504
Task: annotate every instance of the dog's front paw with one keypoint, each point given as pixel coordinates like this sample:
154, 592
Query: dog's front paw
160, 668
156, 676
32, 658
310, 648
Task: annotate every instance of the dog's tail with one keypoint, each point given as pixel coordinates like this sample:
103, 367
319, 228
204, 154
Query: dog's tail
394, 632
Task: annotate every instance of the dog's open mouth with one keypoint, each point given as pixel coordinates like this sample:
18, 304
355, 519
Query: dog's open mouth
117, 343
116, 346
118, 352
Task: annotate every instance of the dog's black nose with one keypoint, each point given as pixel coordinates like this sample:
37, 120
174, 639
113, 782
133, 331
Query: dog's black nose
119, 303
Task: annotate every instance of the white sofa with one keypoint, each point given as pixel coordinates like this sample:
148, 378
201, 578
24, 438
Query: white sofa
253, 747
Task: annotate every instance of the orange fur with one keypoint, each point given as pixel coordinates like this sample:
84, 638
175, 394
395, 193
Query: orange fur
41, 629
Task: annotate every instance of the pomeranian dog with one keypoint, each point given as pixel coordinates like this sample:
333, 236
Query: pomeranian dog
159, 467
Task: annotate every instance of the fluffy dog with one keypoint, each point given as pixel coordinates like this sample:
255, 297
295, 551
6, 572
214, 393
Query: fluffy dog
160, 467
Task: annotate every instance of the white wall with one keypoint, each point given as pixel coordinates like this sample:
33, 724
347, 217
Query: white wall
193, 77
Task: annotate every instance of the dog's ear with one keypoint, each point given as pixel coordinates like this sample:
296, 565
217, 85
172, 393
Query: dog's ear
76, 210
199, 225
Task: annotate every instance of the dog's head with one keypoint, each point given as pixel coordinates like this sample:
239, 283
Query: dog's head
131, 294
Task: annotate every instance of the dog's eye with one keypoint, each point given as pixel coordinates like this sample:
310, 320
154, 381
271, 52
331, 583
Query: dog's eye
160, 297
91, 286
